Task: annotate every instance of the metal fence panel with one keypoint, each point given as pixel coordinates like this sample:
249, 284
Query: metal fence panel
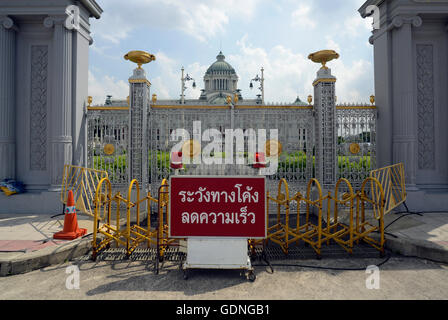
107, 144
108, 141
295, 134
356, 127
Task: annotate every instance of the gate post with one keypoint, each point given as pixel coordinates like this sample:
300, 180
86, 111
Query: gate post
326, 162
137, 157
7, 90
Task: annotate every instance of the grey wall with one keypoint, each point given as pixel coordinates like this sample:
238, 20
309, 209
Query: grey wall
411, 87
46, 85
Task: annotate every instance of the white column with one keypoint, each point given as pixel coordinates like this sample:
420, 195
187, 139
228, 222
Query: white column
325, 128
7, 97
404, 136
61, 100
137, 159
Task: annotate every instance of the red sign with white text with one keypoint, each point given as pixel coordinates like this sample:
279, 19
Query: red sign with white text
232, 207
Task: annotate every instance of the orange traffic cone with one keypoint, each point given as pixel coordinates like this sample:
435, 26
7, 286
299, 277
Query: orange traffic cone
71, 230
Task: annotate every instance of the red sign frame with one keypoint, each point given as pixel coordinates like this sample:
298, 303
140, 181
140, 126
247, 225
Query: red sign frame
217, 206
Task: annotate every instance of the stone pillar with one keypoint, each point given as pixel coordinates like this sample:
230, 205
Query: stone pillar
404, 131
7, 97
137, 158
326, 162
61, 100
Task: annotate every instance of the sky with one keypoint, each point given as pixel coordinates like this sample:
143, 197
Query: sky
276, 35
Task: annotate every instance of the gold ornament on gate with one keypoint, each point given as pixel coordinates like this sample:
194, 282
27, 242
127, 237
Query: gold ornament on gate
191, 148
323, 57
273, 148
355, 148
310, 99
140, 57
109, 149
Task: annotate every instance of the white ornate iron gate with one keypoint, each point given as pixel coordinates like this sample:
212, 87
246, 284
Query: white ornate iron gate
109, 140
295, 133
356, 128
107, 143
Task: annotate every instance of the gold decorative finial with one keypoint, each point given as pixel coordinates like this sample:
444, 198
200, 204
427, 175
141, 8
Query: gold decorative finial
140, 57
229, 99
191, 148
128, 101
89, 100
273, 148
235, 98
310, 99
323, 57
154, 98
372, 99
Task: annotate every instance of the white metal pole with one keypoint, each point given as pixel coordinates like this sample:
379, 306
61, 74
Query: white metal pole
183, 86
262, 85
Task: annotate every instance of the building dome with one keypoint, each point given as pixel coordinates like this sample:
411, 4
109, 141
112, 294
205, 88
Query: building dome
220, 66
220, 81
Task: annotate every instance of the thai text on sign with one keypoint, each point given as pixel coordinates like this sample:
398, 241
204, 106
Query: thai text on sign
217, 207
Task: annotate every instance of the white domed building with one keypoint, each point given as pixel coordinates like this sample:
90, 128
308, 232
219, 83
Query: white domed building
220, 82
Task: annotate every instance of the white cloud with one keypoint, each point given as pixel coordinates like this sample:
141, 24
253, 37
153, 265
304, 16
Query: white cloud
199, 19
100, 87
289, 74
355, 26
353, 85
167, 85
301, 17
332, 45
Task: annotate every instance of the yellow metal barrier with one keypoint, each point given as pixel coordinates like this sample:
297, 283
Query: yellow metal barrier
357, 227
136, 234
282, 233
131, 235
392, 180
279, 232
83, 182
102, 213
339, 232
163, 241
363, 227
310, 233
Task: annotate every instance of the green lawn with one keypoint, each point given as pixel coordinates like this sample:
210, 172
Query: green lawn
288, 162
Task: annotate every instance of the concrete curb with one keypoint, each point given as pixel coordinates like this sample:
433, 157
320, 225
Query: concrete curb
45, 257
417, 248
77, 248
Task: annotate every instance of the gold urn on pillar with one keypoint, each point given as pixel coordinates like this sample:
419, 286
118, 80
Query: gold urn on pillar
139, 57
323, 57
310, 99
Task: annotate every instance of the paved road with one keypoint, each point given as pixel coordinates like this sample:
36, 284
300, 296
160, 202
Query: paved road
400, 278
